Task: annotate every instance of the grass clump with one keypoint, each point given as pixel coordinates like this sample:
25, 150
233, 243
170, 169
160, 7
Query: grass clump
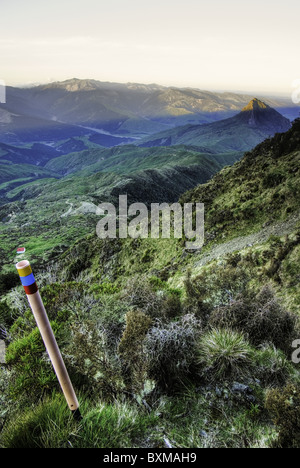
225, 354
51, 425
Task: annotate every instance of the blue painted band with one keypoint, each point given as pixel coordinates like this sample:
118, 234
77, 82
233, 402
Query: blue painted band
27, 280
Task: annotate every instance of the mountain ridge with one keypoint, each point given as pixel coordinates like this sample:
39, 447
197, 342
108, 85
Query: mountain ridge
256, 122
128, 110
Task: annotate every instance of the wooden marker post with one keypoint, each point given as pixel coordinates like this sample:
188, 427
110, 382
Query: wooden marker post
41, 318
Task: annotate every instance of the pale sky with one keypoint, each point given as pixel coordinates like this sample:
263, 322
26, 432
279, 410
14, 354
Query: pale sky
241, 45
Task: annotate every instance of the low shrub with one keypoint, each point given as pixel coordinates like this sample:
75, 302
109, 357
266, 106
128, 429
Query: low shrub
163, 304
139, 293
171, 351
131, 349
218, 287
273, 368
94, 360
259, 316
8, 281
284, 407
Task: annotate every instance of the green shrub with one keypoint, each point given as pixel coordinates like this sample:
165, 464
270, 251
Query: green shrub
103, 288
32, 372
284, 407
273, 367
273, 178
157, 304
220, 286
57, 296
225, 355
139, 293
8, 281
92, 355
171, 306
131, 349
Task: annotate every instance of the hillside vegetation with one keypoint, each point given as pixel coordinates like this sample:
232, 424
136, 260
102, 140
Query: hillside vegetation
61, 208
164, 348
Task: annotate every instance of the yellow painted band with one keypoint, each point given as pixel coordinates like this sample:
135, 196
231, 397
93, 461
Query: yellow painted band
25, 271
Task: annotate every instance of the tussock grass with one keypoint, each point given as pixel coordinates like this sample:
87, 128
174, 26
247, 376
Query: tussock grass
226, 355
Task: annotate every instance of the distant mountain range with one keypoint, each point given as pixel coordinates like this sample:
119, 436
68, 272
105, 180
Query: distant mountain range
113, 113
60, 150
256, 122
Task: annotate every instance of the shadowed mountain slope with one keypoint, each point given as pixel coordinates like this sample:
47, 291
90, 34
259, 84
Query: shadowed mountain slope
256, 122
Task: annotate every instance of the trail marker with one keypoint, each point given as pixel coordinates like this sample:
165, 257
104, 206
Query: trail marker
42, 321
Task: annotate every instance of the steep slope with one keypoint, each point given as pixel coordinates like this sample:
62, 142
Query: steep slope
252, 235
58, 212
256, 122
264, 186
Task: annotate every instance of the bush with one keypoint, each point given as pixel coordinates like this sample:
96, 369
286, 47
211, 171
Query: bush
139, 293
131, 349
225, 354
8, 281
157, 304
284, 407
273, 368
261, 317
273, 179
171, 351
218, 288
94, 360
